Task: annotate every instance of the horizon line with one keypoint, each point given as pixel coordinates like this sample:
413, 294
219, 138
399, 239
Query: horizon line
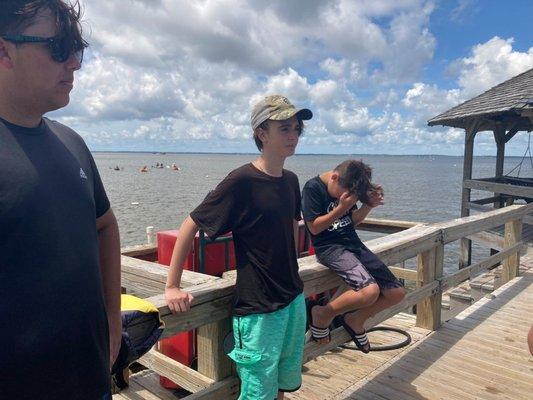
297, 154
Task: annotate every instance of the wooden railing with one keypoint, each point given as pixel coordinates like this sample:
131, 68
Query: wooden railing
211, 309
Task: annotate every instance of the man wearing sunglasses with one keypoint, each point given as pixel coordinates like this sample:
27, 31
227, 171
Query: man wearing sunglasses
59, 241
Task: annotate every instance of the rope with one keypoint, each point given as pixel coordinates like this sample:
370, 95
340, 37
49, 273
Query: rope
519, 165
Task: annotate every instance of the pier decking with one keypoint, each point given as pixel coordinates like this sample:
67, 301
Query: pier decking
479, 354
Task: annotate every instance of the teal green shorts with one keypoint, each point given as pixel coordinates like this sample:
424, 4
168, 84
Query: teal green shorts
269, 351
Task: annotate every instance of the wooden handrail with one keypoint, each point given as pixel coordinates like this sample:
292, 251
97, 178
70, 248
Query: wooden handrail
213, 297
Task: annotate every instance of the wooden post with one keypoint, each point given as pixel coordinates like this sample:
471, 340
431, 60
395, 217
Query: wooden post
430, 268
499, 137
212, 362
513, 234
466, 244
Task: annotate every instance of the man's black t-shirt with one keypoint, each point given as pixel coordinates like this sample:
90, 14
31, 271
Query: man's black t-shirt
316, 202
54, 332
260, 210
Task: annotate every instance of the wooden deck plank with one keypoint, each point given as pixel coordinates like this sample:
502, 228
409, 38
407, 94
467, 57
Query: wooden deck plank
471, 371
144, 386
483, 350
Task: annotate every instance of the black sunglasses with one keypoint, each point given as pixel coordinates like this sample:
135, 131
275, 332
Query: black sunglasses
61, 48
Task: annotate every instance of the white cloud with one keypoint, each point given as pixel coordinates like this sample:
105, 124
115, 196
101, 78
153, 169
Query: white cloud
429, 100
491, 63
166, 74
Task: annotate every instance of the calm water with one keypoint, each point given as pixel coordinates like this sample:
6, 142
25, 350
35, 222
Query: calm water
417, 188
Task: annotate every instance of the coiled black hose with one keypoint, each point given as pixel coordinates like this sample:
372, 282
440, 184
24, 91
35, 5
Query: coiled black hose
394, 346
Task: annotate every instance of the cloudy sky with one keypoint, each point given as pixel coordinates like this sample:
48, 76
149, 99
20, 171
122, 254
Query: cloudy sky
180, 75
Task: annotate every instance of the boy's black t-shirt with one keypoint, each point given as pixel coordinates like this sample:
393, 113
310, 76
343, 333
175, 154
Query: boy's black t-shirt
316, 202
259, 210
54, 331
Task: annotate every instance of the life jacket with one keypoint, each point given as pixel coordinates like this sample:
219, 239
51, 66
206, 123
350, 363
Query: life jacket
141, 329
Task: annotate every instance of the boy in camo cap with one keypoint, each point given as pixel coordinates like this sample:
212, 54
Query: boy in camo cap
260, 204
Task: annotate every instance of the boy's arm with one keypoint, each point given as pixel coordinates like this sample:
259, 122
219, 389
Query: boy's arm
375, 198
323, 222
179, 300
360, 214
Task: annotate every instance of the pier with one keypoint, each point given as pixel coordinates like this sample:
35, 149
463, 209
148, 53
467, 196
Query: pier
480, 353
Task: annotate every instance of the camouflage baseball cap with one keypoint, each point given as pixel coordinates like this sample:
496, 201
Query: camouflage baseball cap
278, 108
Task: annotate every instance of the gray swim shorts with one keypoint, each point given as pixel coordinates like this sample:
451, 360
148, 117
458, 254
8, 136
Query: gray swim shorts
358, 268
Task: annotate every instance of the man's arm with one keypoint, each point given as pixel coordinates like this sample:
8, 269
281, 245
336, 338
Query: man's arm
530, 340
296, 227
109, 253
179, 300
323, 222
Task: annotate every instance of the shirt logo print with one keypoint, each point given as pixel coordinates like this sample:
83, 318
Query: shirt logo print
82, 174
345, 220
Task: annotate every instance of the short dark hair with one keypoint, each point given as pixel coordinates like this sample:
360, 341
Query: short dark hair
264, 125
356, 177
17, 15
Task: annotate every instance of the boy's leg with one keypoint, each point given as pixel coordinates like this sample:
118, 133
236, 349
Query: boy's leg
349, 300
362, 293
290, 363
386, 299
391, 290
258, 345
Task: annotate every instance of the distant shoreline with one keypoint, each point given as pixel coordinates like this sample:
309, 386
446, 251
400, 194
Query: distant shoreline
302, 154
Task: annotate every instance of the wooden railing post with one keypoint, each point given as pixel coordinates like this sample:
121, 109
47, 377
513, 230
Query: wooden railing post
212, 362
430, 265
513, 234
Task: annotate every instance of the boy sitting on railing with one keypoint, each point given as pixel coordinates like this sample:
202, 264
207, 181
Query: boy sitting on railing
330, 213
260, 203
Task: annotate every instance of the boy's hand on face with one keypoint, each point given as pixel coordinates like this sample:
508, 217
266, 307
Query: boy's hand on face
178, 300
347, 201
376, 196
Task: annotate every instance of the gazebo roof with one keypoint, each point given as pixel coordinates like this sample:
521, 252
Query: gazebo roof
506, 105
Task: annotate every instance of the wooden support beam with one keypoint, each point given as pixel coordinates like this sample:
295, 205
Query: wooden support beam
212, 361
139, 250
466, 245
157, 272
512, 236
526, 219
461, 227
499, 137
385, 226
486, 200
470, 272
430, 269
178, 373
487, 239
228, 389
512, 131
503, 188
404, 273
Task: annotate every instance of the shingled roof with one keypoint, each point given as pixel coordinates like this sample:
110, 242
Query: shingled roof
508, 105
